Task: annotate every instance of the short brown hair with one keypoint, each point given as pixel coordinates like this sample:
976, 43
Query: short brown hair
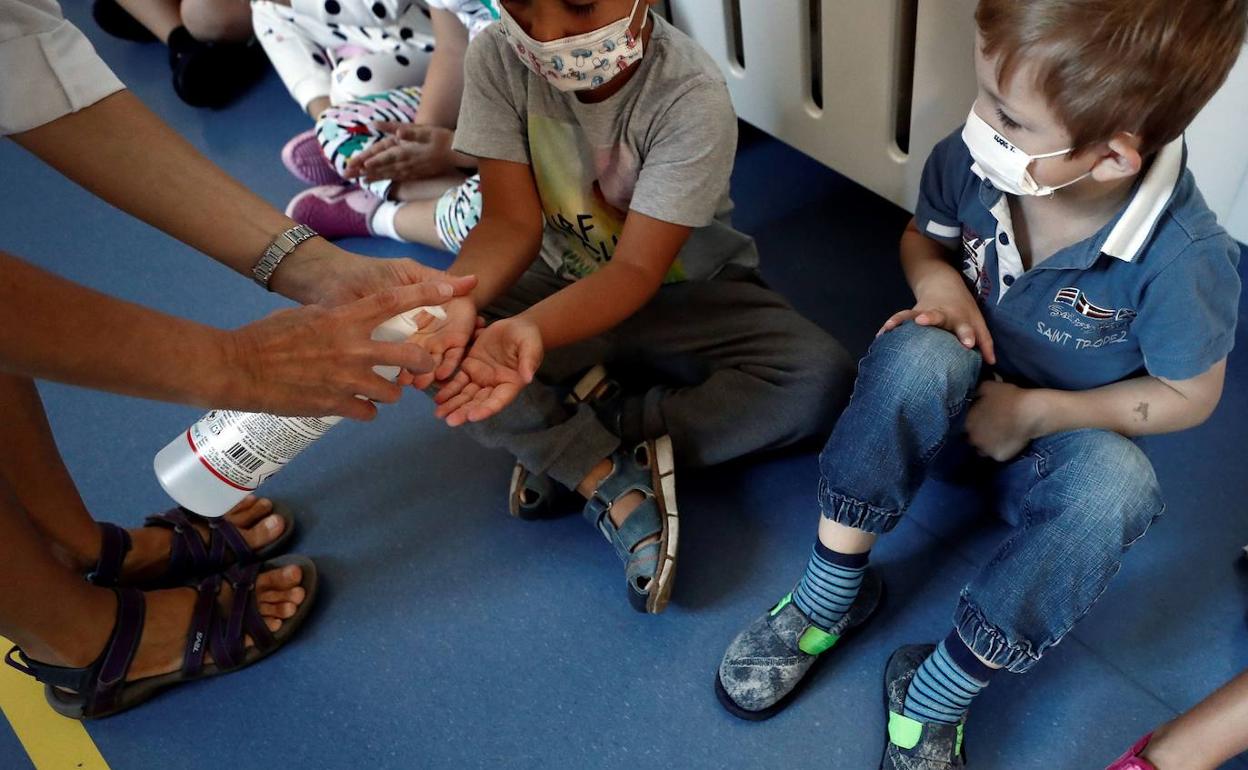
1144, 66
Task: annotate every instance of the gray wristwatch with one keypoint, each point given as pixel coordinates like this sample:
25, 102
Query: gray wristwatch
279, 249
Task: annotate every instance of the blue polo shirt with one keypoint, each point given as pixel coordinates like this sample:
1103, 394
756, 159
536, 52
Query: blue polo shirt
1155, 291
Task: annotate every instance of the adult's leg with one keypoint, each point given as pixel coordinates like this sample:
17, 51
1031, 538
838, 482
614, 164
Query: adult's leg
72, 630
36, 475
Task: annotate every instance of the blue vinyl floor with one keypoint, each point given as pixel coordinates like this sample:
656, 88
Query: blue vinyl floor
450, 635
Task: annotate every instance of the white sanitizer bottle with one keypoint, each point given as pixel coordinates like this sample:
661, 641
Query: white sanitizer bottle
226, 455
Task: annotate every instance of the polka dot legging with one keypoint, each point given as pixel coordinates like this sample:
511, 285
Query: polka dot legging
344, 49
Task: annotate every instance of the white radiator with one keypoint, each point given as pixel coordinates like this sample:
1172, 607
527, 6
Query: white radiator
869, 86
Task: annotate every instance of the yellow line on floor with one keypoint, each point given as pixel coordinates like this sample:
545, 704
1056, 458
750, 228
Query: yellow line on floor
53, 742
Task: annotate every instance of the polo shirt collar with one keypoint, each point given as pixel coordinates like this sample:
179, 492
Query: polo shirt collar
1151, 199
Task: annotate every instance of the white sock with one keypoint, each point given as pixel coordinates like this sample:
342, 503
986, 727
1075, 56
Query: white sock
382, 222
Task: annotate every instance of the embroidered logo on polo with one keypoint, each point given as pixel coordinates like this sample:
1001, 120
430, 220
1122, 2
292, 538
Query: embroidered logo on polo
1093, 326
1079, 301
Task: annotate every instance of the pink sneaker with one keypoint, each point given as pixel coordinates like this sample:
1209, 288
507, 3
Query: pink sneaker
1132, 759
303, 158
334, 210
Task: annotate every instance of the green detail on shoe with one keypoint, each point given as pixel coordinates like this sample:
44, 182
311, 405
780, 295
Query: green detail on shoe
816, 641
905, 733
781, 604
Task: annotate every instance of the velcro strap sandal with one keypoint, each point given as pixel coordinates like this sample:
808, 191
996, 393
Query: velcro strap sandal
650, 570
101, 689
533, 496
190, 558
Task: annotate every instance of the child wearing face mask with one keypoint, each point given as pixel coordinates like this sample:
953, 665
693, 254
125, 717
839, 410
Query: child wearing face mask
605, 140
1073, 293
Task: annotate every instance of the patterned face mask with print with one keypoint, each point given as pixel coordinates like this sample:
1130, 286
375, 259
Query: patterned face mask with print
580, 62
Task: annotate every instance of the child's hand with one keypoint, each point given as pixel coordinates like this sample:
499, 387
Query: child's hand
409, 152
952, 309
1003, 420
444, 341
502, 360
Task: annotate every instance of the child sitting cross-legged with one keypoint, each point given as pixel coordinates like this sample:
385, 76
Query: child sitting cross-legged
605, 140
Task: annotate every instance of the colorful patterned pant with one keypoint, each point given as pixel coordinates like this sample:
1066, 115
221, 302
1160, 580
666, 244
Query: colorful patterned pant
350, 128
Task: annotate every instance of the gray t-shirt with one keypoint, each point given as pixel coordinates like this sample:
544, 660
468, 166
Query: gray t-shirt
662, 146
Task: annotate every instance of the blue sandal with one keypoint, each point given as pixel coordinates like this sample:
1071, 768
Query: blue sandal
650, 569
534, 496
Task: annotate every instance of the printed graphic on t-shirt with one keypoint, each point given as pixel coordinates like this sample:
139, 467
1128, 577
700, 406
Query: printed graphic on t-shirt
585, 194
974, 251
1078, 323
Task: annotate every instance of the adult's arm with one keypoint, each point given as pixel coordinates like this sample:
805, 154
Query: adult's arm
302, 361
122, 152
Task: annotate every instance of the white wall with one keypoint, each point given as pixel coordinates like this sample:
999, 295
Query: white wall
865, 50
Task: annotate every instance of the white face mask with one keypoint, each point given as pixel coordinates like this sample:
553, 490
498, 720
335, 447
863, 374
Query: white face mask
580, 62
1003, 164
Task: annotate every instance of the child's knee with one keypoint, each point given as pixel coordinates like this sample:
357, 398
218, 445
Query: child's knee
917, 359
1110, 481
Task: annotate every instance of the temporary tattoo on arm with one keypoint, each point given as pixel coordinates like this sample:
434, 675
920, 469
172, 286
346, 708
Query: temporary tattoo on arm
1142, 411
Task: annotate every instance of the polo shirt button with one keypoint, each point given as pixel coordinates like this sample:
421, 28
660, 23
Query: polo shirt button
1005, 239
1008, 280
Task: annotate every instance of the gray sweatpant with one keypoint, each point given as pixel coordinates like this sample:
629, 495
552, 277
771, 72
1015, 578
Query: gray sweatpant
730, 368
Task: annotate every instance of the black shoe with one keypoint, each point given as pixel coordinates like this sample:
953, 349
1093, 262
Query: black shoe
118, 22
213, 74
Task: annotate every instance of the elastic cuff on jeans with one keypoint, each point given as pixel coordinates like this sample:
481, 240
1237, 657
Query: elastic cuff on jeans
990, 643
855, 513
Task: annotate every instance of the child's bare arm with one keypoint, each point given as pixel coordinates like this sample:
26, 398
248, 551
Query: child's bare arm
1004, 418
592, 305
1138, 407
940, 295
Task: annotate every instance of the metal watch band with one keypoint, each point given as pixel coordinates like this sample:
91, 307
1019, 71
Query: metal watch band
279, 249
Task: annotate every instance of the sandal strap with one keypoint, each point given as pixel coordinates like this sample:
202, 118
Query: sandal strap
197, 633
187, 553
99, 683
644, 522
643, 562
189, 556
114, 664
227, 640
225, 538
114, 545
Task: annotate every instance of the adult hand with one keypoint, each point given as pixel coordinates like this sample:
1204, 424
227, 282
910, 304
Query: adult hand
316, 360
1003, 420
503, 359
408, 152
336, 276
953, 309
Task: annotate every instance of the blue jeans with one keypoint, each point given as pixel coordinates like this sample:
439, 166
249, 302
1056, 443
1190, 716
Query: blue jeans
1078, 500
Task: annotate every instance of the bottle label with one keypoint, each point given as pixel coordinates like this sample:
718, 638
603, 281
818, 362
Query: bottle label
243, 449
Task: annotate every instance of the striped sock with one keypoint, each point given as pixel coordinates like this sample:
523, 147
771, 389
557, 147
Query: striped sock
830, 585
946, 683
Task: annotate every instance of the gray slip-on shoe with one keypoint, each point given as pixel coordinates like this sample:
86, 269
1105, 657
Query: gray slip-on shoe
767, 664
910, 744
